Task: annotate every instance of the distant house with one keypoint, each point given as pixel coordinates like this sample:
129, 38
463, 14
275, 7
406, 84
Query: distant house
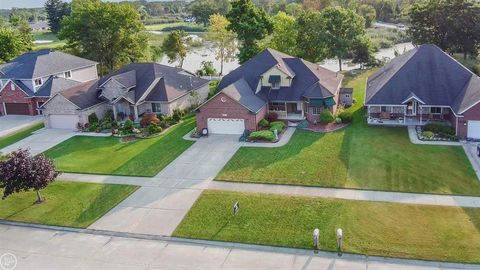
130, 92
39, 26
29, 80
425, 85
272, 81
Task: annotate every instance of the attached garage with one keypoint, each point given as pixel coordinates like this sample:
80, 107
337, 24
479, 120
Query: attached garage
473, 129
225, 126
63, 121
17, 108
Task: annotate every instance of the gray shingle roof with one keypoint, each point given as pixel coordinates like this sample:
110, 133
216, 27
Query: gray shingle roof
83, 95
42, 63
54, 85
243, 94
309, 79
166, 83
427, 73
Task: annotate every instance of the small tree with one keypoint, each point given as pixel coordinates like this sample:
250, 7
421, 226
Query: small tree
207, 69
223, 38
174, 47
22, 172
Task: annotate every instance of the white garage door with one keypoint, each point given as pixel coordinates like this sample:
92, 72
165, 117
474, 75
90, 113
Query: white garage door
226, 126
473, 129
63, 121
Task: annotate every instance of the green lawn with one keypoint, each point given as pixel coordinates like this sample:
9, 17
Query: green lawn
373, 228
187, 27
359, 156
67, 204
47, 36
19, 135
107, 155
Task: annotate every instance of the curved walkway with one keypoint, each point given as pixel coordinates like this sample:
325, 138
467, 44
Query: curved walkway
350, 194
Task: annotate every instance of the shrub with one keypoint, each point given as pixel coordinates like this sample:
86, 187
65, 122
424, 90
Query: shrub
176, 116
153, 128
278, 125
271, 117
93, 127
164, 124
338, 120
108, 116
266, 135
92, 118
326, 116
263, 123
128, 127
149, 118
440, 129
427, 134
346, 116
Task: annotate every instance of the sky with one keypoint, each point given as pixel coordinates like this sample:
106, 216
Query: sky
8, 4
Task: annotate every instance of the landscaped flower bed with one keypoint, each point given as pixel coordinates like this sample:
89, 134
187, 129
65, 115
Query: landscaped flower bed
436, 132
267, 131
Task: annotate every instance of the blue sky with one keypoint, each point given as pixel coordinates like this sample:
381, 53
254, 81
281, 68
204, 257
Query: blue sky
8, 4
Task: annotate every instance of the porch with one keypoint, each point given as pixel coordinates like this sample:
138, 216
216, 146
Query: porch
410, 114
288, 110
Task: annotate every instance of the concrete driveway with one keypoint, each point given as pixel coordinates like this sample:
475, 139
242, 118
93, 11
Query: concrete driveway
12, 123
158, 207
41, 140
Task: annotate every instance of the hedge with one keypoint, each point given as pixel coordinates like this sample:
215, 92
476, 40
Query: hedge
266, 135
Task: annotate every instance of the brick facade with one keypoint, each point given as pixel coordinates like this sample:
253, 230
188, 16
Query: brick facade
222, 106
7, 95
462, 122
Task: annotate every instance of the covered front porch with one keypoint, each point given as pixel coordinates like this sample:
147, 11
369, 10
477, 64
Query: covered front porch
123, 109
293, 110
412, 113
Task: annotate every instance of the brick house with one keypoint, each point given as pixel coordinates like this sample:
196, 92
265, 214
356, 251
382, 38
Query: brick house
32, 78
425, 85
271, 81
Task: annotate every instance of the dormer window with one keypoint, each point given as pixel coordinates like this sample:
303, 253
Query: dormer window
68, 74
275, 81
38, 82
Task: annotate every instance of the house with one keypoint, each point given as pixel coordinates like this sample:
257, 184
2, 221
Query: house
271, 81
425, 85
130, 92
33, 77
39, 26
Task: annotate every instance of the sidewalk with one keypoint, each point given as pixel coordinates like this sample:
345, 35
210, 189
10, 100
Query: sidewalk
350, 194
47, 248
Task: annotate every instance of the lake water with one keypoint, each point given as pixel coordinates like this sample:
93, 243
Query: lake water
194, 58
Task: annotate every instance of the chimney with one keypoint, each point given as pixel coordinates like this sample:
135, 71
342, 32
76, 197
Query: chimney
191, 83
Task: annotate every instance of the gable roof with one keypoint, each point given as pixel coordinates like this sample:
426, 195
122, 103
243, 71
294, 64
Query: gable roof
42, 63
243, 94
427, 74
155, 82
309, 80
54, 85
83, 95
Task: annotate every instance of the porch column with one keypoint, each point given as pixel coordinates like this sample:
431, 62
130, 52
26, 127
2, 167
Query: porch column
368, 114
286, 110
421, 112
303, 111
405, 114
135, 112
114, 112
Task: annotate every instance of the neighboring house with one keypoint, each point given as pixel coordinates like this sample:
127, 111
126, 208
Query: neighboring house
424, 85
130, 92
272, 81
346, 97
39, 26
32, 78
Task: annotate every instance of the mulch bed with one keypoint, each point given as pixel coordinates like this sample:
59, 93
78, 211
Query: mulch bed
324, 128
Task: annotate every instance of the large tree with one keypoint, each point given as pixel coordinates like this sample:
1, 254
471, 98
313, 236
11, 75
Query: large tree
110, 33
251, 24
285, 33
21, 171
174, 46
56, 10
453, 25
340, 30
369, 13
203, 9
310, 43
13, 43
223, 38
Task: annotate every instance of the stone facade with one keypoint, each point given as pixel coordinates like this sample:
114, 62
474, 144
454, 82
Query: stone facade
222, 106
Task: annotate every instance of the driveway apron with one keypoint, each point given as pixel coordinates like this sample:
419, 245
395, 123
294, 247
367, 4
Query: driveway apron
159, 207
41, 140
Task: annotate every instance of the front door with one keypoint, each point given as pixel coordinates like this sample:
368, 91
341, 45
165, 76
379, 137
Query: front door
412, 107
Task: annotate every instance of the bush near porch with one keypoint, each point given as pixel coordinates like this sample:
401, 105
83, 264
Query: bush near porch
359, 156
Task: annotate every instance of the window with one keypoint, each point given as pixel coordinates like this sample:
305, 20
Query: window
68, 74
274, 81
436, 110
316, 110
12, 86
347, 95
276, 85
386, 108
156, 107
38, 82
277, 106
